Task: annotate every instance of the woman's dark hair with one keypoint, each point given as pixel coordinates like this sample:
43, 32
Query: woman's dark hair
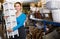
18, 3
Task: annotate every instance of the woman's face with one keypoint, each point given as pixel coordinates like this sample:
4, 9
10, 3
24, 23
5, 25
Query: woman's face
17, 7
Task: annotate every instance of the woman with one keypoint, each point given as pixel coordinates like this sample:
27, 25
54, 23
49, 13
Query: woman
20, 17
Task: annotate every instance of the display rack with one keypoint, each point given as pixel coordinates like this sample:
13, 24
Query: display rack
46, 22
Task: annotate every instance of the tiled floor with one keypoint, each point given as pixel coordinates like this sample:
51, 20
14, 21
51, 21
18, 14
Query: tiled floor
53, 35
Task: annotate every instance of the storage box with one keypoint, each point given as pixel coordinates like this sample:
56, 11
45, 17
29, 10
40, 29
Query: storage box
8, 5
10, 21
53, 4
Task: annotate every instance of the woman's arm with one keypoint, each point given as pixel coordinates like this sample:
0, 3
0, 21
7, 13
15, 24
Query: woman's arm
21, 22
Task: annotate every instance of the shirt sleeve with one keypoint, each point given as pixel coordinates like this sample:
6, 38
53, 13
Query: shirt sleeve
21, 22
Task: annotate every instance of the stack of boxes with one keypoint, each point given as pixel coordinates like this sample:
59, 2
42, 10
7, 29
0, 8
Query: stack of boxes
10, 20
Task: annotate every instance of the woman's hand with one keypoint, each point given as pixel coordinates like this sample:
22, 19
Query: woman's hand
47, 29
5, 17
10, 30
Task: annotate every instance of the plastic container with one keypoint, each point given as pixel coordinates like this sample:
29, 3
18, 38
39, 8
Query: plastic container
56, 15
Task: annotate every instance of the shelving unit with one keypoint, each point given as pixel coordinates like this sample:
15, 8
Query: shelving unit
46, 22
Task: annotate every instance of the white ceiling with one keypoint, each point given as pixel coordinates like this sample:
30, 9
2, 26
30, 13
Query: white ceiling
22, 0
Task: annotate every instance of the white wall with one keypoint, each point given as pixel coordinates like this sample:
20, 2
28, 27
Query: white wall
48, 0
